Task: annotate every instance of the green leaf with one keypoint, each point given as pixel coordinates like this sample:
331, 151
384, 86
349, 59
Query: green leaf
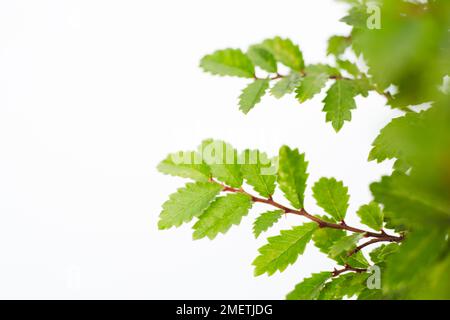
285, 52
284, 249
228, 62
315, 79
265, 221
356, 260
416, 254
371, 215
379, 255
257, 169
185, 164
262, 58
222, 159
347, 284
332, 196
345, 244
221, 215
337, 45
339, 102
186, 203
357, 17
371, 294
348, 66
252, 94
309, 288
325, 238
407, 201
292, 175
285, 85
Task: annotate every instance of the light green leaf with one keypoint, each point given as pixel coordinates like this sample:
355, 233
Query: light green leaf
315, 79
251, 95
284, 249
332, 196
285, 52
186, 203
309, 288
325, 238
257, 169
221, 215
262, 58
337, 45
285, 85
371, 215
379, 255
228, 62
345, 244
348, 66
265, 221
222, 159
292, 175
346, 285
185, 164
339, 102
416, 254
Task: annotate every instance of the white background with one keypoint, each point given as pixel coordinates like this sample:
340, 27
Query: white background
93, 94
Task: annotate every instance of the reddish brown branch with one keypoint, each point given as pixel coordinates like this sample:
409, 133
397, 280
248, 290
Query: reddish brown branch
346, 268
382, 236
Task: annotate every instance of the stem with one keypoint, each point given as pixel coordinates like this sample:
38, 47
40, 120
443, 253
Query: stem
346, 268
382, 236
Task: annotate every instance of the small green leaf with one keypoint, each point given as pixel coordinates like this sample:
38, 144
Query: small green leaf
315, 79
379, 255
332, 196
345, 244
337, 45
257, 169
228, 62
346, 285
222, 159
292, 175
309, 288
252, 94
221, 215
371, 215
185, 164
265, 221
285, 85
186, 203
262, 58
348, 66
284, 249
325, 238
339, 102
285, 52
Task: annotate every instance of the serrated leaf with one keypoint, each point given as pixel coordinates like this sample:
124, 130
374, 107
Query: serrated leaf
284, 249
332, 196
379, 255
356, 260
348, 66
371, 215
292, 175
251, 95
339, 102
185, 164
347, 284
257, 169
309, 288
337, 45
345, 244
409, 202
221, 215
222, 159
285, 85
262, 58
265, 221
312, 83
417, 252
357, 17
228, 62
325, 238
285, 51
186, 203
